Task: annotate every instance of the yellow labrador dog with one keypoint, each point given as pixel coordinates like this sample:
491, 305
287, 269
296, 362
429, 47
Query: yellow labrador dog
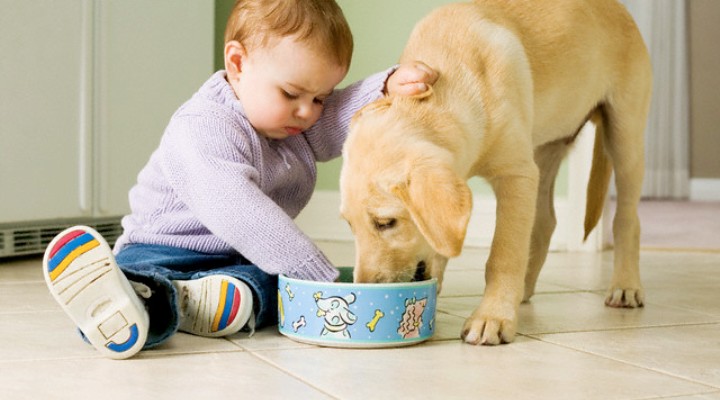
517, 81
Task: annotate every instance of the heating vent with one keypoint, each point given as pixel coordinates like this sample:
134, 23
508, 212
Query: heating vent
110, 231
33, 238
27, 241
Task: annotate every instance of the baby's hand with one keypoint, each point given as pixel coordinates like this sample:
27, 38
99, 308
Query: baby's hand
410, 79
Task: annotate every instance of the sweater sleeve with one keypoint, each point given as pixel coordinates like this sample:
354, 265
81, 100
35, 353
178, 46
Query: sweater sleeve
211, 171
327, 136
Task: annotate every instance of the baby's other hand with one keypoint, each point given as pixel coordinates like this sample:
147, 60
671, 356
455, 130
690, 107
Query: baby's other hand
410, 79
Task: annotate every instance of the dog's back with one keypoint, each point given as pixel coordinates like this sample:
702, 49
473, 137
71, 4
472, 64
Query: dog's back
557, 44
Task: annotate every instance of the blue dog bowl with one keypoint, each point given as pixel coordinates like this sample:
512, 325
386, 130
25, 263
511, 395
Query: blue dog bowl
346, 314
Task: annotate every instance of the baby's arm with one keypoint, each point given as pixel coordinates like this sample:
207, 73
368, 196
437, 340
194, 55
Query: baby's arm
214, 176
327, 136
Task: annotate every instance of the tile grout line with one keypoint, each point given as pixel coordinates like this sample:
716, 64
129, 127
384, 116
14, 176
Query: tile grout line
606, 357
625, 328
257, 355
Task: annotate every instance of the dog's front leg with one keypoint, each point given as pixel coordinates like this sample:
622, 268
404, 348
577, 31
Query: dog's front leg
495, 320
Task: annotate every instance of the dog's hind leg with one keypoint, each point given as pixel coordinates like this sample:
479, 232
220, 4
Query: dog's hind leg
548, 158
625, 126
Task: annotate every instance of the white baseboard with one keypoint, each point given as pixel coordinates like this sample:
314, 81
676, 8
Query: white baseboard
702, 189
321, 220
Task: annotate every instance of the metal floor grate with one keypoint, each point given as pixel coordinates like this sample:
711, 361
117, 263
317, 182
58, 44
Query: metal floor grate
32, 238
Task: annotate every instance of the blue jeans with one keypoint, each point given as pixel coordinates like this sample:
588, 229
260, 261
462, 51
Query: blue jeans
156, 266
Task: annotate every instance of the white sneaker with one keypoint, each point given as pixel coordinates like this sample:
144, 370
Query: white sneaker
82, 276
213, 306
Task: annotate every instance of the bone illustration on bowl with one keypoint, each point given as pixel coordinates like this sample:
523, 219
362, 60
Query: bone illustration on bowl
374, 321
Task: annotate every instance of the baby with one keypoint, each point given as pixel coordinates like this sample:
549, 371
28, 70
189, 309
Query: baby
211, 224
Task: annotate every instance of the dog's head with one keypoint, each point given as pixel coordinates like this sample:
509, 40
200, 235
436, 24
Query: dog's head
406, 206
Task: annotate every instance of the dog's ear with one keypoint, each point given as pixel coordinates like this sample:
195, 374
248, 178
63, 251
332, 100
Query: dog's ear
440, 204
413, 98
348, 317
423, 95
386, 102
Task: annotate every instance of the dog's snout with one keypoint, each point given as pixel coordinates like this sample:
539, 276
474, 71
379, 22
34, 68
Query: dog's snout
420, 271
362, 276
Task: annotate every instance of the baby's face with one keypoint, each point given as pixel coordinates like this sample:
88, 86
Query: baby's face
282, 87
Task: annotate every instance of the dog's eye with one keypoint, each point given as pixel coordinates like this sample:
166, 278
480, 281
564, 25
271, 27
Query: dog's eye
385, 223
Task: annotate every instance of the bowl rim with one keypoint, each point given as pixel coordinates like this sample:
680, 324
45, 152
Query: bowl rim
378, 286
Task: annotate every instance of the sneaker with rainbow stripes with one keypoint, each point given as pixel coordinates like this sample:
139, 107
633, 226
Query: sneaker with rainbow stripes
213, 306
81, 274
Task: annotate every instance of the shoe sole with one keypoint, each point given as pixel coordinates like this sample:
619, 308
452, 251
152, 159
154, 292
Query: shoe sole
81, 274
222, 307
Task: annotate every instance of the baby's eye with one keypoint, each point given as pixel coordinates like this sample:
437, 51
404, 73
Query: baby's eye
318, 101
289, 95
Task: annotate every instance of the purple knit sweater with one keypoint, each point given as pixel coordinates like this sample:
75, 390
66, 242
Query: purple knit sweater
214, 185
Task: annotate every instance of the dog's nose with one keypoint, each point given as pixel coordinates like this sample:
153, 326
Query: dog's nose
420, 272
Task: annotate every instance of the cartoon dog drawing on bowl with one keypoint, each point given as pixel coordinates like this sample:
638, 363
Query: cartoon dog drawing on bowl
412, 318
336, 312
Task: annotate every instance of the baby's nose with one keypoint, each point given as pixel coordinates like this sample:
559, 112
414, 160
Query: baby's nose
303, 111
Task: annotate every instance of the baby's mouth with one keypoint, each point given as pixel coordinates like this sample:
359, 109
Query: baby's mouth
293, 130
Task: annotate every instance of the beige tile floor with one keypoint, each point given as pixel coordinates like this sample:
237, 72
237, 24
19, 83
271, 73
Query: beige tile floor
570, 346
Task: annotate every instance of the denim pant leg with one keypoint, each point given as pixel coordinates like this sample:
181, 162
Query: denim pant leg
157, 266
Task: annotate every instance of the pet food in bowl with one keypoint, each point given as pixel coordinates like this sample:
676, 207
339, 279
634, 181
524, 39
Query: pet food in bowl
346, 314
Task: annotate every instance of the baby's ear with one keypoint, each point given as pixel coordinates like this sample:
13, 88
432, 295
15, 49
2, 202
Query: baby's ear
234, 56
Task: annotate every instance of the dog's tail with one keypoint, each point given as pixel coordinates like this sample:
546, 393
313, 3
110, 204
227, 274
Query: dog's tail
599, 174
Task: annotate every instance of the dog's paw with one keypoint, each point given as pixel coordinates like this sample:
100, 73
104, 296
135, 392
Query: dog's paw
625, 297
490, 329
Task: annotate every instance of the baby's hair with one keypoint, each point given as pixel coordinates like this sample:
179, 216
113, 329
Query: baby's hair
319, 23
